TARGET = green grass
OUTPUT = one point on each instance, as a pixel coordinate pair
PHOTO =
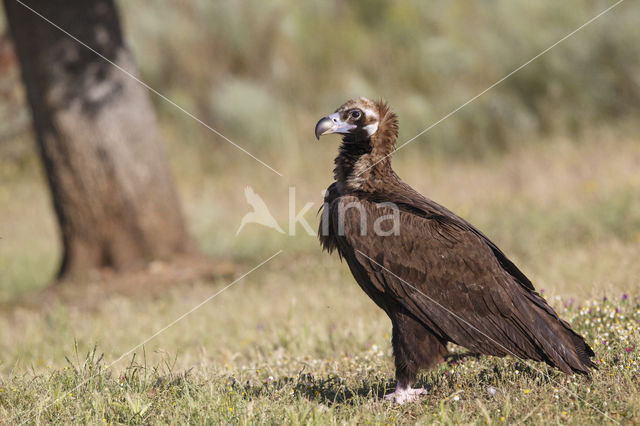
(239, 360)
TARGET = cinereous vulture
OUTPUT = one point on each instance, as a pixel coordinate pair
(438, 278)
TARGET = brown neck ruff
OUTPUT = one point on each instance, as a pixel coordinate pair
(364, 163)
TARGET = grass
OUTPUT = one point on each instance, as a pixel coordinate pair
(295, 361)
(297, 341)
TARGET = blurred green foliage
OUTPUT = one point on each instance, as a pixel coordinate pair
(263, 70)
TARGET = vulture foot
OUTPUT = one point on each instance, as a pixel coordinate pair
(404, 394)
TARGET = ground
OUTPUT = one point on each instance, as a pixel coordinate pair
(296, 341)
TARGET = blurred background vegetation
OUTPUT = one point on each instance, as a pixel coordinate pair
(263, 73)
(258, 67)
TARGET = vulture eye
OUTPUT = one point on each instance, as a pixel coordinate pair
(355, 114)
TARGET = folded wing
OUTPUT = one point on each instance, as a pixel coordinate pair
(455, 281)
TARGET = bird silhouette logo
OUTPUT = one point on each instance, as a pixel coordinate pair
(260, 214)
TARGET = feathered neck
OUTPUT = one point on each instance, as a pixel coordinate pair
(364, 163)
(384, 140)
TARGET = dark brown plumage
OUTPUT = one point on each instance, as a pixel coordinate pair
(437, 277)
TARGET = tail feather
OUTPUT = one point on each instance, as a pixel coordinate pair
(584, 353)
(560, 346)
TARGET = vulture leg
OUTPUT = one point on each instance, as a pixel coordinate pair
(414, 348)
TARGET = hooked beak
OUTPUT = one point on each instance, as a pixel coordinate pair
(332, 124)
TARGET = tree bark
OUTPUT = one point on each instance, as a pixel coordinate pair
(97, 134)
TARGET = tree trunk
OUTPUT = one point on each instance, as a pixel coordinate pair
(98, 138)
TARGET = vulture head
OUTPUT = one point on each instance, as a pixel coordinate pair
(359, 117)
(370, 131)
